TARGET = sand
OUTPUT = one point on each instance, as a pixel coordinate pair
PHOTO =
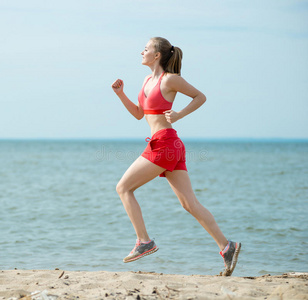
(59, 284)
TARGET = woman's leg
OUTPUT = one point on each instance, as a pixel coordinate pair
(139, 173)
(181, 185)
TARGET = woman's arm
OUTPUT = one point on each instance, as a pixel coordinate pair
(178, 84)
(134, 109)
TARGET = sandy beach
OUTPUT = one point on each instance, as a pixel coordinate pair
(59, 284)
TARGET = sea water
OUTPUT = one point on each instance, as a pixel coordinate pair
(60, 209)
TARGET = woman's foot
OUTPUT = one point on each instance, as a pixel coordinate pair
(140, 250)
(230, 255)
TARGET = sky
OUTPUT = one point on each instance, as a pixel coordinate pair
(59, 59)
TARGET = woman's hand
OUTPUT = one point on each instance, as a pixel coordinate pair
(172, 116)
(118, 86)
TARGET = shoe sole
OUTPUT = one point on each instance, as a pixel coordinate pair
(141, 255)
(234, 261)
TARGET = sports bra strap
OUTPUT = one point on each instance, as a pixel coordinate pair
(161, 76)
(147, 80)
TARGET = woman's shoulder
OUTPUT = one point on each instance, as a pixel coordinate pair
(172, 78)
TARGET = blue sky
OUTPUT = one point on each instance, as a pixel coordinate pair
(59, 58)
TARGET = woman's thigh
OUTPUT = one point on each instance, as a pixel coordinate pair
(180, 183)
(140, 172)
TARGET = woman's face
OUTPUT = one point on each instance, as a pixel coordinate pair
(149, 56)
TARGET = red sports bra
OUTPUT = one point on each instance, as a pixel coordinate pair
(154, 103)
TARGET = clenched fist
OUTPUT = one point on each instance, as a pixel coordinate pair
(118, 86)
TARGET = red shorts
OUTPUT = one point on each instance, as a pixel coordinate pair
(165, 149)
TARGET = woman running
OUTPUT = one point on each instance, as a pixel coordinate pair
(165, 152)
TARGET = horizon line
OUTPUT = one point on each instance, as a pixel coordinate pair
(299, 139)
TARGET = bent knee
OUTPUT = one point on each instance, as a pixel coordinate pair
(190, 205)
(122, 188)
(187, 207)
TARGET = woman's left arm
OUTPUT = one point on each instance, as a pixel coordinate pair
(178, 84)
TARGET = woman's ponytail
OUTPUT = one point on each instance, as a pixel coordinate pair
(171, 57)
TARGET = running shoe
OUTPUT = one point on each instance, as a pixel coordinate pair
(140, 250)
(230, 256)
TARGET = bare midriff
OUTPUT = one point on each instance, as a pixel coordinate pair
(157, 122)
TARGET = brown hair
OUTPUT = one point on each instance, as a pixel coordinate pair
(171, 57)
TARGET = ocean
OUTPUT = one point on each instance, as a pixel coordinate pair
(60, 209)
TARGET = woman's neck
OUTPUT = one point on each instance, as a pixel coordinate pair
(156, 71)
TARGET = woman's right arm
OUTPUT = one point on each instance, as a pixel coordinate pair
(134, 109)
